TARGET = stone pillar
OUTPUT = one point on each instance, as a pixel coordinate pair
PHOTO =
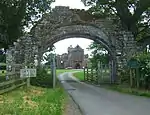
(9, 61)
(125, 49)
(130, 46)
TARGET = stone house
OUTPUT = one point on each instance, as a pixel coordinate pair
(75, 58)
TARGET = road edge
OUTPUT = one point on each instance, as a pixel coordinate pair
(69, 94)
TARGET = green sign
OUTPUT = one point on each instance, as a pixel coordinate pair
(133, 63)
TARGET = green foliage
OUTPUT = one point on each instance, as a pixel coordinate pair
(48, 58)
(134, 15)
(124, 75)
(128, 90)
(43, 79)
(143, 71)
(99, 53)
(17, 14)
(144, 59)
(2, 56)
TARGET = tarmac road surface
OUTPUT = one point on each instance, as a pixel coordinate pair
(94, 100)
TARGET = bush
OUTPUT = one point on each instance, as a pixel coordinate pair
(43, 79)
(124, 76)
(144, 71)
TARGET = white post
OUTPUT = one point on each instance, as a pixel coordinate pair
(54, 72)
(28, 79)
(28, 82)
(101, 71)
(99, 75)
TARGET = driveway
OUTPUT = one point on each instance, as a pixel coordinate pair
(94, 100)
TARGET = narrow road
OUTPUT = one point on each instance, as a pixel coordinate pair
(94, 100)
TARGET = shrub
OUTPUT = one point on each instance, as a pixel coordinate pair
(124, 76)
(144, 71)
(43, 79)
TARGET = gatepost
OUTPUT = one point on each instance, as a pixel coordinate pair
(99, 71)
(53, 70)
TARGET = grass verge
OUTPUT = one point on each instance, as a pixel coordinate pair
(59, 71)
(128, 90)
(33, 101)
(119, 88)
(79, 75)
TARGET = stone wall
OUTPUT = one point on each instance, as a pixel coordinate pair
(64, 23)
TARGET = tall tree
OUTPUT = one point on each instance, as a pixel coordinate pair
(133, 14)
(17, 14)
(99, 53)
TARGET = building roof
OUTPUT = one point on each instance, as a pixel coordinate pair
(78, 47)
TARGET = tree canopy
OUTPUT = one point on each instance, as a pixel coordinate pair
(17, 14)
(133, 14)
(99, 53)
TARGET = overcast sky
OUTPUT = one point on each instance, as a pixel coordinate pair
(61, 46)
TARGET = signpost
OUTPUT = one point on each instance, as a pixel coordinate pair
(134, 64)
(27, 73)
(54, 71)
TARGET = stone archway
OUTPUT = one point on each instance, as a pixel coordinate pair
(64, 23)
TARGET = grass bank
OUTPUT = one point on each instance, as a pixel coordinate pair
(128, 90)
(79, 75)
(119, 88)
(32, 101)
(59, 71)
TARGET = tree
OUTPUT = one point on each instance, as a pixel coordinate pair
(17, 14)
(133, 14)
(99, 53)
(49, 58)
(2, 56)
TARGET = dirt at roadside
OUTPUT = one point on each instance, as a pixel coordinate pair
(71, 108)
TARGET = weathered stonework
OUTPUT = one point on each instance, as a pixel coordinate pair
(64, 23)
(20, 55)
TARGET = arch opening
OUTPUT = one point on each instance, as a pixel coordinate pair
(76, 29)
(96, 39)
(77, 65)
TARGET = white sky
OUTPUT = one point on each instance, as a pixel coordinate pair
(71, 3)
(61, 46)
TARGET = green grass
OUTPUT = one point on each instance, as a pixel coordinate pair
(119, 88)
(33, 101)
(59, 71)
(79, 75)
(128, 90)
